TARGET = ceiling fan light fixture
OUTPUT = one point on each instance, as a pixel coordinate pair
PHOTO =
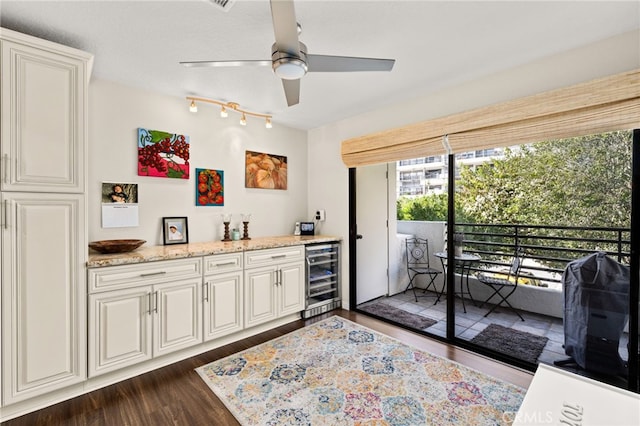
(290, 68)
(223, 112)
(243, 120)
(289, 58)
(193, 107)
(268, 124)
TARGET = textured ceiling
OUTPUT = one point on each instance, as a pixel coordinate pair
(436, 44)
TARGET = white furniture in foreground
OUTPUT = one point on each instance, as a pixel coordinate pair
(557, 397)
(43, 141)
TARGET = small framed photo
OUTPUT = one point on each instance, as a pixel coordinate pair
(175, 230)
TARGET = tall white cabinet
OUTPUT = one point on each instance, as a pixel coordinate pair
(43, 117)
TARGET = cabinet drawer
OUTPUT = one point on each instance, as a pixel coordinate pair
(219, 263)
(275, 256)
(125, 276)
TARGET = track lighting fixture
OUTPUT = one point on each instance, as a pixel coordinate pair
(225, 107)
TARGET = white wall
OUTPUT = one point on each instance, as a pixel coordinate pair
(328, 176)
(116, 112)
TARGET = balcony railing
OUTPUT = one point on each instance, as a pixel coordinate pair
(550, 247)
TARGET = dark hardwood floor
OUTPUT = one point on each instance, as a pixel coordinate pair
(175, 395)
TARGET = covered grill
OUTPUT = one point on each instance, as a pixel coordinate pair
(596, 309)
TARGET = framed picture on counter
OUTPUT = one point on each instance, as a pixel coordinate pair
(175, 230)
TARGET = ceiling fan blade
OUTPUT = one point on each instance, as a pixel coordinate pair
(253, 63)
(326, 63)
(291, 91)
(285, 26)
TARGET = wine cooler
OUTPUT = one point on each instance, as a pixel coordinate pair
(323, 279)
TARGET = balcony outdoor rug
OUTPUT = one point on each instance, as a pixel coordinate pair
(520, 344)
(400, 316)
(336, 372)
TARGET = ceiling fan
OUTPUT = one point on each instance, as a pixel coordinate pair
(290, 60)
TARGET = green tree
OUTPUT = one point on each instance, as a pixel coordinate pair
(582, 181)
(430, 207)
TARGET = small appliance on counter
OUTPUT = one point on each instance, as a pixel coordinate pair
(307, 228)
(304, 228)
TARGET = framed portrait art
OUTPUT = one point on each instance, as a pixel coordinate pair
(175, 230)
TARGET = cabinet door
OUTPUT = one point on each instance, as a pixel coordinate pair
(222, 305)
(43, 120)
(291, 288)
(260, 298)
(177, 320)
(119, 329)
(43, 293)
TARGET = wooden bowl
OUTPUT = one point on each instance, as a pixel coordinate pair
(115, 246)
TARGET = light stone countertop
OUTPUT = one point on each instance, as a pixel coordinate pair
(180, 251)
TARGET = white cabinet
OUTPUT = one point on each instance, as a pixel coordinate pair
(43, 119)
(223, 294)
(291, 285)
(43, 293)
(274, 284)
(138, 312)
(177, 318)
(119, 329)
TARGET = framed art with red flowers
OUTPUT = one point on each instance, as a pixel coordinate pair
(209, 187)
(163, 154)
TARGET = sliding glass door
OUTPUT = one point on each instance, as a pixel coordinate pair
(504, 295)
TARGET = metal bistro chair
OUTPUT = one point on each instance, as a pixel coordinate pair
(418, 264)
(503, 284)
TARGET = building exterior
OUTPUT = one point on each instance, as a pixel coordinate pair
(425, 175)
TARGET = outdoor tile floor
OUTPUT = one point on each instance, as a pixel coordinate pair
(469, 324)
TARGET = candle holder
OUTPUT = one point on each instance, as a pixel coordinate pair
(226, 220)
(245, 223)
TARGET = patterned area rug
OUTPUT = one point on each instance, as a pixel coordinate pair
(400, 316)
(336, 372)
(520, 344)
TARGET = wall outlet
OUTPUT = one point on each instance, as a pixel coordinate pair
(320, 215)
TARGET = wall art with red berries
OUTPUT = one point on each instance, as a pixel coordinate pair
(163, 154)
(209, 187)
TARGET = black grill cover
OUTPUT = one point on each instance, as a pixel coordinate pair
(596, 309)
